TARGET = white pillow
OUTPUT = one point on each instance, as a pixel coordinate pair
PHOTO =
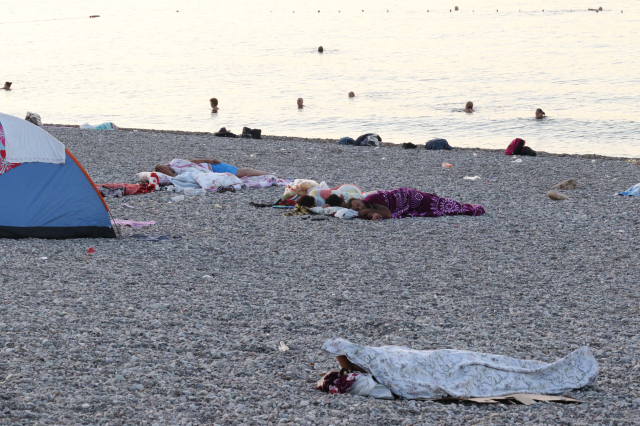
(162, 178)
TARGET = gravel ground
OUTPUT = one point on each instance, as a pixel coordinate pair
(186, 331)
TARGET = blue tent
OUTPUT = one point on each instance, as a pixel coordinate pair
(44, 191)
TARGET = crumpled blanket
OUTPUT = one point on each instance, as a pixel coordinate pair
(264, 181)
(415, 374)
(121, 189)
(209, 181)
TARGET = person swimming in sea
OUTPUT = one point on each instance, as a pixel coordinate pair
(214, 104)
(468, 107)
(300, 103)
(7, 85)
(540, 114)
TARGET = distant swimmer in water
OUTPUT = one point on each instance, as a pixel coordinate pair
(468, 107)
(300, 105)
(540, 114)
(7, 85)
(352, 95)
(597, 10)
(320, 49)
(214, 105)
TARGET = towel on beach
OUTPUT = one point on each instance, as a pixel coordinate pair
(103, 126)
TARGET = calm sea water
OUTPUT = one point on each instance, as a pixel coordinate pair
(411, 64)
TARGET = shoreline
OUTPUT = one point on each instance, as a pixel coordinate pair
(335, 142)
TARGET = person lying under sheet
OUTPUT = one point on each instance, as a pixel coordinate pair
(177, 166)
(417, 374)
(408, 202)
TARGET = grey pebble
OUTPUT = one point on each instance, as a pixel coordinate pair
(135, 335)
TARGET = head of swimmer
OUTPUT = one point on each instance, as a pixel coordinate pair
(300, 105)
(540, 114)
(468, 107)
(163, 168)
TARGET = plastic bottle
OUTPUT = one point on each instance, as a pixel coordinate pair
(200, 191)
(177, 198)
(171, 188)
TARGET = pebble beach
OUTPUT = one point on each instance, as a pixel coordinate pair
(186, 331)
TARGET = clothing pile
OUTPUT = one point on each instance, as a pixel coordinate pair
(368, 139)
(516, 147)
(247, 133)
(438, 144)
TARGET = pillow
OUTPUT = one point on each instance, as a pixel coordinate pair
(302, 186)
(163, 179)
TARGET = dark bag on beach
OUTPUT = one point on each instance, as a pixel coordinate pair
(515, 147)
(224, 133)
(437, 144)
(255, 133)
(364, 140)
(251, 133)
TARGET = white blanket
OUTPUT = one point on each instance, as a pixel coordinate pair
(418, 374)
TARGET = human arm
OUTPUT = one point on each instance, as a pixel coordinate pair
(204, 160)
(375, 214)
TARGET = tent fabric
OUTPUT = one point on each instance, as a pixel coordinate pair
(43, 200)
(27, 143)
(5, 166)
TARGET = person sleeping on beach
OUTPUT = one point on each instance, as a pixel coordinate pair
(177, 167)
(337, 195)
(388, 371)
(333, 200)
(408, 202)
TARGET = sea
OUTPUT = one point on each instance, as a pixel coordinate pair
(412, 65)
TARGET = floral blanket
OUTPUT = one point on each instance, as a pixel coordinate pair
(416, 374)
